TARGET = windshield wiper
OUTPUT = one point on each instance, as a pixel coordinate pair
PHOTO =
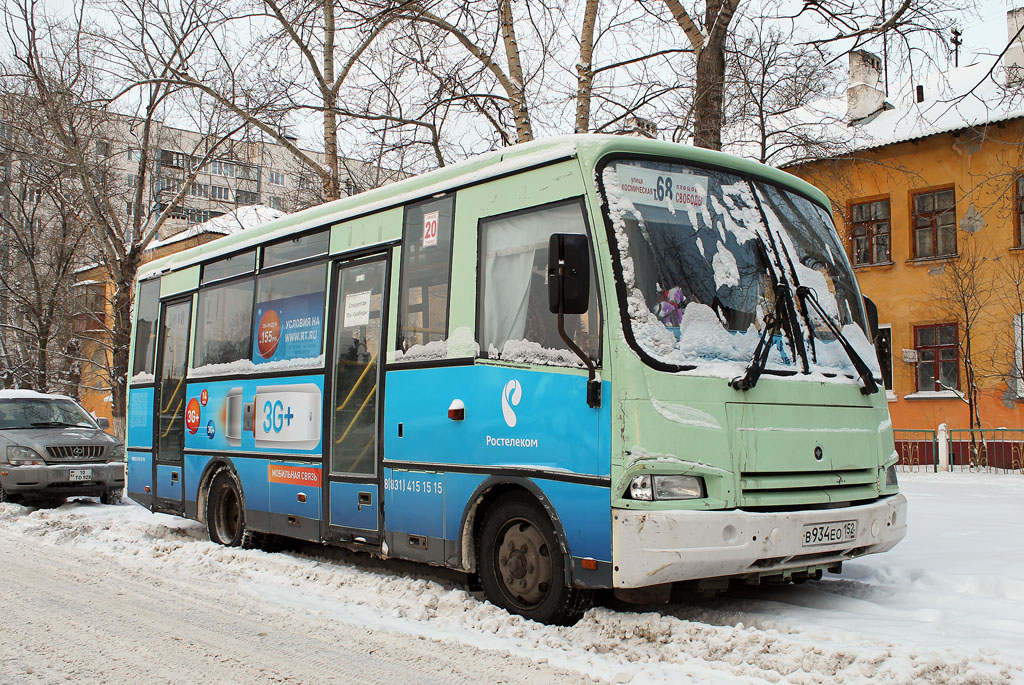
(870, 386)
(771, 324)
(56, 424)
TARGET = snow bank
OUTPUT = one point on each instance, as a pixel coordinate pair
(946, 606)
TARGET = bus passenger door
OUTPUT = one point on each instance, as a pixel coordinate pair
(172, 363)
(351, 448)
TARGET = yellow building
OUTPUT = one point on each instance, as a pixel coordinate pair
(929, 199)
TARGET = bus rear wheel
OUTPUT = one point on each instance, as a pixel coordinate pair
(522, 566)
(225, 513)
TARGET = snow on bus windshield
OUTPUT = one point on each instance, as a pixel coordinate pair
(694, 252)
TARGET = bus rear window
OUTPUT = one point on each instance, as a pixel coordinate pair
(145, 329)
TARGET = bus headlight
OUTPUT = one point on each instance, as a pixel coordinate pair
(890, 477)
(666, 487)
(20, 456)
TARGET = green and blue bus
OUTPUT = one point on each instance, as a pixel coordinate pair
(580, 363)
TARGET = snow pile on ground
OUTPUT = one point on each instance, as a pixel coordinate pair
(946, 606)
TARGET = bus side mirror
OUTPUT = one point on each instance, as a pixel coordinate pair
(872, 311)
(568, 273)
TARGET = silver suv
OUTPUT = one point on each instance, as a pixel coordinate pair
(51, 448)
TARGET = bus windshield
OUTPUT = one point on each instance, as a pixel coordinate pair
(700, 252)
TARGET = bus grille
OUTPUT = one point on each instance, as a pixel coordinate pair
(788, 488)
(75, 452)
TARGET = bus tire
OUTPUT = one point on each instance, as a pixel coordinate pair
(522, 566)
(225, 512)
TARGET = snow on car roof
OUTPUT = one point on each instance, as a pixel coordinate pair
(19, 394)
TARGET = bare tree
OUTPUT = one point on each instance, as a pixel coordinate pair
(40, 241)
(64, 69)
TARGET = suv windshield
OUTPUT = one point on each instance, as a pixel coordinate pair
(42, 413)
(700, 251)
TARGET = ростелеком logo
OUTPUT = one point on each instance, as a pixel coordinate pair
(510, 396)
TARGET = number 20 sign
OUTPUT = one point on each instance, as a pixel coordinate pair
(430, 229)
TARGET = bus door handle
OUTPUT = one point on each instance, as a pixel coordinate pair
(174, 476)
(365, 499)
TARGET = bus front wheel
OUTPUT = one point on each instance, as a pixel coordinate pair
(522, 566)
(225, 512)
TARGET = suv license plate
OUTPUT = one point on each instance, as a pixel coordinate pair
(80, 474)
(829, 533)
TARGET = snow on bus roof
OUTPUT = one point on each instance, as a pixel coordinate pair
(472, 170)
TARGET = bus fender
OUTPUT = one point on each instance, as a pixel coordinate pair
(488, 492)
(209, 473)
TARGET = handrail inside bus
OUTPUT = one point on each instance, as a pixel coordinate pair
(359, 380)
(170, 424)
(173, 395)
(373, 391)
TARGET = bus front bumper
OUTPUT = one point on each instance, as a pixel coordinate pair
(656, 547)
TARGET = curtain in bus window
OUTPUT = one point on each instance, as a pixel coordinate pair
(516, 321)
(289, 315)
(222, 323)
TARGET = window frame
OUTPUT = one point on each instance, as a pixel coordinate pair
(283, 268)
(579, 200)
(452, 197)
(937, 361)
(891, 388)
(932, 217)
(210, 285)
(871, 231)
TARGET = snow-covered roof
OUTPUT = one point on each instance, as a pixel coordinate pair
(964, 97)
(233, 222)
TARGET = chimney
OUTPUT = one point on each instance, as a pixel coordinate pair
(864, 96)
(1013, 58)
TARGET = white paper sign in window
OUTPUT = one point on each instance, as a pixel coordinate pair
(430, 229)
(662, 188)
(357, 309)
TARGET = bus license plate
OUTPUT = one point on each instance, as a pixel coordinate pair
(829, 533)
(80, 474)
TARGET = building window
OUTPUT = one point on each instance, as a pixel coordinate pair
(275, 177)
(90, 308)
(1019, 207)
(102, 148)
(883, 350)
(175, 160)
(934, 224)
(222, 168)
(276, 202)
(871, 233)
(937, 366)
(247, 172)
(220, 193)
(246, 197)
(200, 189)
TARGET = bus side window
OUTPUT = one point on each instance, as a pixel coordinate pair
(223, 323)
(426, 271)
(145, 328)
(515, 322)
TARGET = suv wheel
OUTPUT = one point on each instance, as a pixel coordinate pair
(112, 496)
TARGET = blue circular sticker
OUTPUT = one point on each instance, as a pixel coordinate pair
(210, 430)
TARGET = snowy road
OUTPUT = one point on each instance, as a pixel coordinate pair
(112, 594)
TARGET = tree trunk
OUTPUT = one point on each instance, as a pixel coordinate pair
(121, 331)
(524, 130)
(707, 106)
(331, 189)
(585, 68)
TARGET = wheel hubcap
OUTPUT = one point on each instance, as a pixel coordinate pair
(524, 563)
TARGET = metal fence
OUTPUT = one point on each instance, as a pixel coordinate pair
(989, 449)
(918, 450)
